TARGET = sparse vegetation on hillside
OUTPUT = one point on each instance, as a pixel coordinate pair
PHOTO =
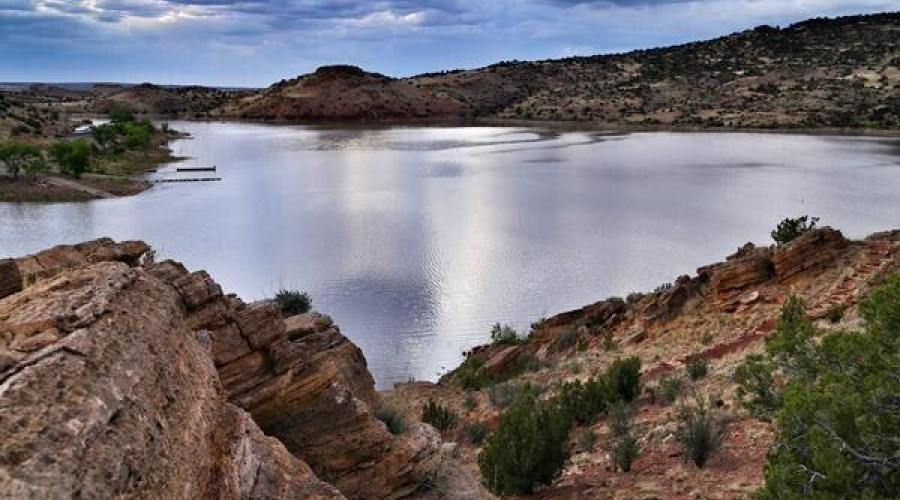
(702, 428)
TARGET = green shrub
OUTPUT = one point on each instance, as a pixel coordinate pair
(793, 345)
(697, 368)
(471, 375)
(583, 402)
(293, 302)
(624, 448)
(701, 429)
(504, 335)
(756, 387)
(527, 448)
(670, 388)
(625, 377)
(838, 427)
(477, 432)
(392, 418)
(503, 394)
(791, 228)
(438, 416)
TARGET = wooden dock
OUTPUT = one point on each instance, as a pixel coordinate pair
(199, 179)
(196, 169)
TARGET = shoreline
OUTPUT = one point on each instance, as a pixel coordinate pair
(57, 188)
(567, 126)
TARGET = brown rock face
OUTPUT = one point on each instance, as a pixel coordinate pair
(307, 385)
(10, 278)
(748, 267)
(811, 252)
(53, 261)
(105, 392)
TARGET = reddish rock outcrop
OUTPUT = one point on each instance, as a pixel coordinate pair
(747, 267)
(106, 393)
(811, 252)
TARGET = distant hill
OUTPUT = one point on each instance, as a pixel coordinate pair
(842, 72)
(346, 93)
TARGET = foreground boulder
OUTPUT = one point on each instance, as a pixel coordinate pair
(125, 379)
(106, 393)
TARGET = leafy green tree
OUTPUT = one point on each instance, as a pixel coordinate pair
(17, 155)
(839, 427)
(73, 157)
(792, 228)
(105, 136)
(528, 447)
(138, 135)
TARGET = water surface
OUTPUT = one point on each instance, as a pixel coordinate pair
(416, 240)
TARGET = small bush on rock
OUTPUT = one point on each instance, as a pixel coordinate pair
(293, 302)
(392, 418)
(504, 335)
(438, 416)
(792, 228)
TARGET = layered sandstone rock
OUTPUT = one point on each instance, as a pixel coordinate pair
(53, 261)
(731, 279)
(309, 386)
(106, 393)
(811, 252)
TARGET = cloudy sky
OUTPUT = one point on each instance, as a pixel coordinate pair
(257, 42)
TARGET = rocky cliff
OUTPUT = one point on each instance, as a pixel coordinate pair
(125, 378)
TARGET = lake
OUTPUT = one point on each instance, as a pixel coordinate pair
(416, 240)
